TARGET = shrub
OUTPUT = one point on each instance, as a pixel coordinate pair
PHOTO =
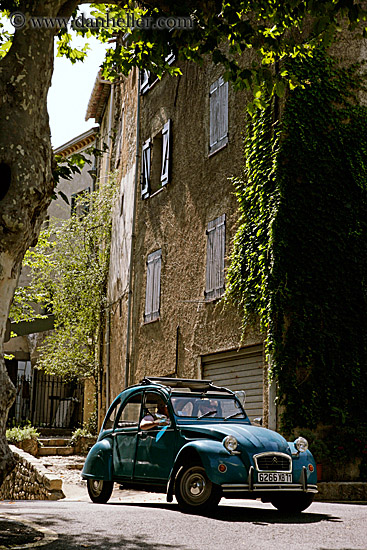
(17, 434)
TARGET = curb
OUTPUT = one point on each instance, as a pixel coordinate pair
(342, 491)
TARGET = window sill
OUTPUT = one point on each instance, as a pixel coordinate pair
(211, 300)
(150, 322)
(212, 153)
(157, 192)
(148, 88)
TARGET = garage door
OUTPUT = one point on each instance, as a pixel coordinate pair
(239, 370)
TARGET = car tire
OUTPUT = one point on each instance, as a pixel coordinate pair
(194, 491)
(99, 491)
(293, 504)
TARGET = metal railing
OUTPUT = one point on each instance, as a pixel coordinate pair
(47, 401)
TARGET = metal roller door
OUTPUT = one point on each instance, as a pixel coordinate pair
(239, 370)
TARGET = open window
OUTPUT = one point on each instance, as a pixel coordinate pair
(156, 162)
(147, 79)
(155, 406)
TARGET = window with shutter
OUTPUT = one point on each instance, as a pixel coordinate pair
(147, 79)
(170, 58)
(218, 115)
(215, 253)
(144, 81)
(158, 155)
(166, 149)
(153, 288)
(145, 169)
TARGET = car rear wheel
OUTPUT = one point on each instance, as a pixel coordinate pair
(194, 491)
(293, 504)
(99, 491)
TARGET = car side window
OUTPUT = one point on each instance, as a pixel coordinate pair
(130, 413)
(155, 407)
(110, 419)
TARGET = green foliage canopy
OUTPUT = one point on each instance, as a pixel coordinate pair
(222, 31)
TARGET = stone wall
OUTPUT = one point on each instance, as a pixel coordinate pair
(30, 480)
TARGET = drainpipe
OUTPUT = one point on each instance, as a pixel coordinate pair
(108, 319)
(136, 182)
(108, 330)
(109, 139)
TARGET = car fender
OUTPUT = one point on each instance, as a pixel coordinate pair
(300, 461)
(98, 464)
(211, 454)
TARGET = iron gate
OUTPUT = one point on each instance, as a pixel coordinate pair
(47, 401)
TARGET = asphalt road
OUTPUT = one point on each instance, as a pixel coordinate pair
(152, 524)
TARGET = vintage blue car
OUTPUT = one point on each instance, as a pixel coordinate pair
(194, 440)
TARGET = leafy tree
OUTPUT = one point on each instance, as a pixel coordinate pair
(68, 270)
(273, 29)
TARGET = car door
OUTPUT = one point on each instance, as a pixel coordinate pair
(125, 436)
(156, 447)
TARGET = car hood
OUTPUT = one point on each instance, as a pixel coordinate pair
(252, 438)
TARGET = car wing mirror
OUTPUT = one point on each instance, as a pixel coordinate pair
(241, 396)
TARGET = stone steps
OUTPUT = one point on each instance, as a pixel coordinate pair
(55, 446)
(54, 441)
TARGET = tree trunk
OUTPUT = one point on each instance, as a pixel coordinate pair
(26, 182)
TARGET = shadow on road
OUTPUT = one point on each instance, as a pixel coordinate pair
(111, 543)
(237, 514)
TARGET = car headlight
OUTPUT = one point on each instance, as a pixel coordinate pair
(230, 443)
(301, 444)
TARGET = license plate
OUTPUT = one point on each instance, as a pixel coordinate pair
(274, 477)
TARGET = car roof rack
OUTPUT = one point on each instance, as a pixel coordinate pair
(192, 384)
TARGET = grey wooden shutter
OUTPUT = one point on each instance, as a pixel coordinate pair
(215, 253)
(144, 81)
(145, 169)
(170, 58)
(218, 115)
(153, 289)
(166, 152)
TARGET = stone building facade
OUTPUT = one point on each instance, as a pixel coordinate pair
(170, 245)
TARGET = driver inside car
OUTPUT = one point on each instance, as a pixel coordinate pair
(155, 420)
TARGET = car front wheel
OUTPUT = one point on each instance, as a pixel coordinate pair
(194, 491)
(99, 491)
(292, 504)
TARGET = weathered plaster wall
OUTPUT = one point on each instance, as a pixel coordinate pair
(123, 160)
(176, 219)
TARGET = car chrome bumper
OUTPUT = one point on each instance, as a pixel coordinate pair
(265, 487)
(253, 486)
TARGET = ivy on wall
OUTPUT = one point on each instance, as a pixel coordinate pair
(299, 260)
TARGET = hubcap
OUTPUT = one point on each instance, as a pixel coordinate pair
(195, 487)
(97, 486)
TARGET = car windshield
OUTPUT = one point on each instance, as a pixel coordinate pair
(206, 406)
